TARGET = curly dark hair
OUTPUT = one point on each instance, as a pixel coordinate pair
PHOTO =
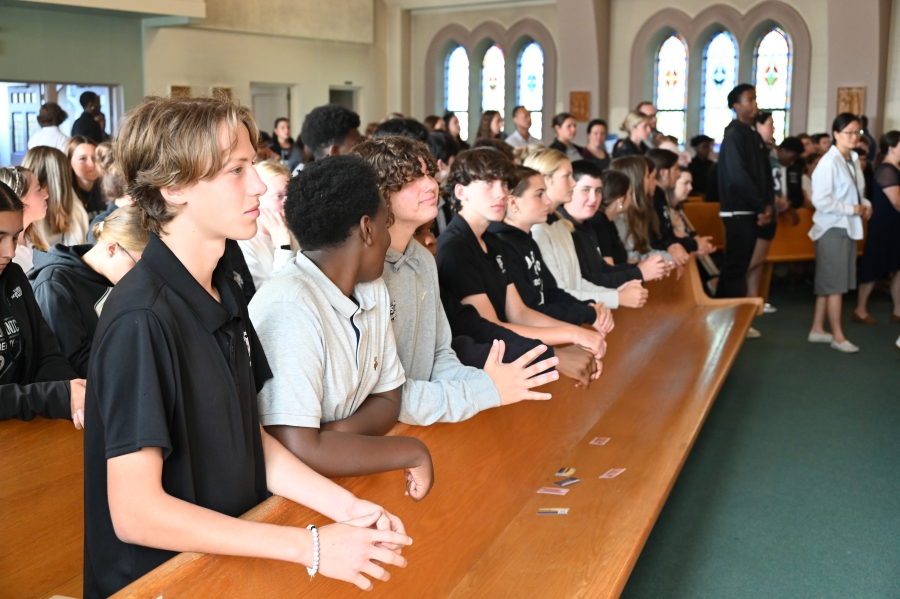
(326, 126)
(326, 200)
(396, 162)
(410, 128)
(478, 164)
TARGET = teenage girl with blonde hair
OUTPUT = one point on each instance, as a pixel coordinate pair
(67, 220)
(34, 198)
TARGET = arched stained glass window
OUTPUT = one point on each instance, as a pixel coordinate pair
(530, 85)
(671, 87)
(719, 78)
(772, 73)
(493, 75)
(456, 88)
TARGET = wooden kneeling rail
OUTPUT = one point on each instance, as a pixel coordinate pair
(478, 533)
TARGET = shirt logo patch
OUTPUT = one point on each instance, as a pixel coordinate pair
(393, 310)
(500, 263)
(17, 293)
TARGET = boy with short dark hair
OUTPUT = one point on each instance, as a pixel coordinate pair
(174, 452)
(330, 130)
(325, 323)
(701, 162)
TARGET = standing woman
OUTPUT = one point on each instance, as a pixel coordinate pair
(595, 151)
(71, 284)
(35, 379)
(838, 188)
(491, 126)
(882, 254)
(565, 127)
(34, 199)
(637, 126)
(454, 130)
(766, 233)
(67, 220)
(81, 152)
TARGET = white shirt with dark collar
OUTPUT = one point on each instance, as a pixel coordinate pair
(327, 352)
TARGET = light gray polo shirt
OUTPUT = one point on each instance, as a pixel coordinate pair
(327, 353)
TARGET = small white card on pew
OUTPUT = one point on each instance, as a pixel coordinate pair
(552, 511)
(612, 473)
(552, 491)
(599, 441)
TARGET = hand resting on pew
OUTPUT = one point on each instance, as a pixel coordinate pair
(77, 387)
(516, 380)
(144, 514)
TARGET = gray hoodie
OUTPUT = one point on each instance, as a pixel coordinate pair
(438, 387)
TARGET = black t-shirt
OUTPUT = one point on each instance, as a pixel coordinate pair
(535, 283)
(794, 183)
(593, 267)
(699, 168)
(171, 368)
(465, 269)
(10, 346)
(611, 245)
(93, 200)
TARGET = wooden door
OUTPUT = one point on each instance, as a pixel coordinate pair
(24, 104)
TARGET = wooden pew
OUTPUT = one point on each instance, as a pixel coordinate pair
(791, 242)
(477, 534)
(42, 502)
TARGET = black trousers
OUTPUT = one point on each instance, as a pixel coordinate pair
(740, 241)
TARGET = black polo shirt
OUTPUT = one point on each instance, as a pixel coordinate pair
(534, 282)
(794, 184)
(172, 368)
(465, 269)
(593, 267)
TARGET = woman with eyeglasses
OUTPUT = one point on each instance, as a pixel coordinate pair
(841, 206)
(71, 284)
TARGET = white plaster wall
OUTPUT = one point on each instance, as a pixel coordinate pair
(629, 15)
(425, 25)
(892, 85)
(203, 59)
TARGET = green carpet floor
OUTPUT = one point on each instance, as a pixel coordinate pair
(793, 486)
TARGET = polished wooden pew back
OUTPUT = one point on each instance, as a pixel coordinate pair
(477, 534)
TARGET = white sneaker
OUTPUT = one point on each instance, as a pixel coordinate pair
(769, 308)
(844, 346)
(752, 334)
(820, 338)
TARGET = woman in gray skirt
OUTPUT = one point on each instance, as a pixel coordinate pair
(838, 195)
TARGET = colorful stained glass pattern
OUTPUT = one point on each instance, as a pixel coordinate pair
(719, 78)
(772, 70)
(530, 84)
(671, 86)
(493, 75)
(456, 88)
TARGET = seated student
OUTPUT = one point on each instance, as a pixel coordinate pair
(410, 128)
(35, 379)
(638, 131)
(272, 246)
(34, 200)
(558, 246)
(71, 283)
(528, 206)
(329, 130)
(174, 452)
(444, 151)
(614, 202)
(81, 152)
(115, 190)
(667, 173)
(325, 324)
(289, 153)
(639, 227)
(584, 205)
(438, 387)
(66, 220)
(470, 259)
(701, 162)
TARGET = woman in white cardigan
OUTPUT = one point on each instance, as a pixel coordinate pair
(838, 196)
(555, 236)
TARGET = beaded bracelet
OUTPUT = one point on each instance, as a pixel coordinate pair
(315, 534)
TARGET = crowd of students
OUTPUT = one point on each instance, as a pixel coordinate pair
(225, 329)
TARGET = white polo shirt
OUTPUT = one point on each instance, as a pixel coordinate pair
(327, 353)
